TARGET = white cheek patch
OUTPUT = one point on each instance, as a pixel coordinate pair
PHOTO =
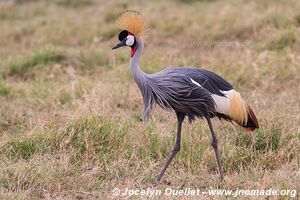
(130, 40)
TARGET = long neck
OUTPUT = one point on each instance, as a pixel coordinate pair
(136, 72)
(141, 80)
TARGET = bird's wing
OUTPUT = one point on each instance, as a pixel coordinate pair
(199, 93)
(209, 80)
(174, 90)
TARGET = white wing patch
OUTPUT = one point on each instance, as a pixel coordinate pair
(222, 102)
(196, 83)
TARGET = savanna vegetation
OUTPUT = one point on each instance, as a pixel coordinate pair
(71, 115)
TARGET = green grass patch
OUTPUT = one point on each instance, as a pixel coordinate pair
(110, 33)
(111, 16)
(297, 19)
(12, 126)
(23, 147)
(40, 63)
(4, 90)
(284, 41)
(8, 14)
(266, 141)
(74, 3)
(249, 150)
(237, 158)
(65, 97)
(92, 60)
(26, 146)
(92, 136)
(44, 56)
(278, 21)
(194, 1)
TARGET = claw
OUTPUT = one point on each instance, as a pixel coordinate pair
(156, 181)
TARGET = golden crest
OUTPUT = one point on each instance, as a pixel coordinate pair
(133, 22)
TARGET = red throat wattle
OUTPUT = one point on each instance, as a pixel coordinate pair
(133, 50)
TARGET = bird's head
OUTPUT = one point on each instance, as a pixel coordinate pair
(126, 38)
(133, 27)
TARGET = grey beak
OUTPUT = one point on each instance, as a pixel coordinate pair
(120, 44)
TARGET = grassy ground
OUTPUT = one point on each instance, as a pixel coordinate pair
(70, 112)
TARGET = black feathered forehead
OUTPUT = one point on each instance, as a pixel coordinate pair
(123, 34)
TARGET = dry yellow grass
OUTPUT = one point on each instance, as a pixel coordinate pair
(70, 120)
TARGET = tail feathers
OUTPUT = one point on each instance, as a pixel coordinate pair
(251, 123)
(241, 113)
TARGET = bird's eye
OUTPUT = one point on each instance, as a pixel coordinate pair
(130, 40)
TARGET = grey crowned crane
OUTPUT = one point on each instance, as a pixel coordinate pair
(190, 92)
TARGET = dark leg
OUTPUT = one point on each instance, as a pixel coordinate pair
(215, 146)
(176, 149)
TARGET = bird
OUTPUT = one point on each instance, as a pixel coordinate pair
(188, 91)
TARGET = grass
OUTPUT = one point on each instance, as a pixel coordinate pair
(71, 115)
(41, 57)
(4, 90)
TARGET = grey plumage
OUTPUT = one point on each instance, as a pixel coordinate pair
(173, 89)
(189, 92)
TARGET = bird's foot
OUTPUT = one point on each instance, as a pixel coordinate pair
(222, 182)
(222, 178)
(156, 181)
